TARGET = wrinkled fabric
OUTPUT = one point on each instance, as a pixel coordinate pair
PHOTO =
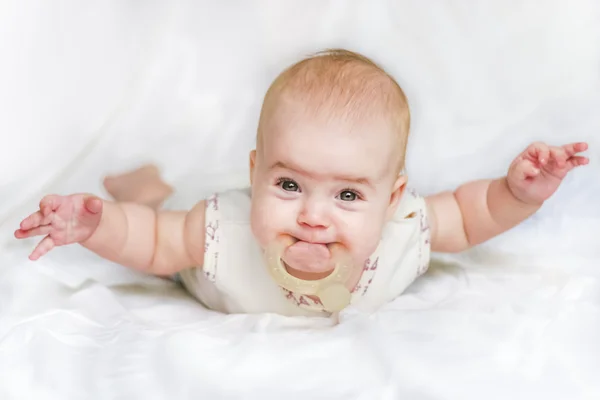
(96, 88)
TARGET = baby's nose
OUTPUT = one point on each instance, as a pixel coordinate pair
(313, 215)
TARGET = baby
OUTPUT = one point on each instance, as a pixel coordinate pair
(328, 220)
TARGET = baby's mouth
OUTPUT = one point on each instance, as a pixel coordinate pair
(329, 287)
(313, 258)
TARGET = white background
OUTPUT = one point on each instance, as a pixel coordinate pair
(90, 88)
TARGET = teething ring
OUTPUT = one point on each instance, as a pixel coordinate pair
(331, 290)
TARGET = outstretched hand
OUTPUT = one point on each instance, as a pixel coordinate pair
(537, 173)
(62, 220)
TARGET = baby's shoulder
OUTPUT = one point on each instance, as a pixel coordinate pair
(411, 205)
(409, 222)
(231, 205)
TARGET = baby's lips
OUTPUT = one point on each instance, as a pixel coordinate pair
(317, 249)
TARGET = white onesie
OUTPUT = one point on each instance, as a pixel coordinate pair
(234, 278)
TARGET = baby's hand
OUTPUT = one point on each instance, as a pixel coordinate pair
(63, 219)
(537, 172)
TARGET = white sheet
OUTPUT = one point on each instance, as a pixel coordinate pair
(94, 88)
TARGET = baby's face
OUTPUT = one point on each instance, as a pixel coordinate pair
(324, 182)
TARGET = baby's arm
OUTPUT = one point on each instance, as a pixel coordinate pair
(474, 213)
(480, 210)
(155, 242)
(160, 243)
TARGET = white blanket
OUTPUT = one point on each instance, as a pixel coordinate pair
(94, 88)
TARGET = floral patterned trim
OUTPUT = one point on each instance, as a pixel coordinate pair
(212, 238)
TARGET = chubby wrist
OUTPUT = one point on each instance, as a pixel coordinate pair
(504, 205)
(505, 183)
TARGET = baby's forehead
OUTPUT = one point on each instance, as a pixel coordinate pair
(331, 148)
(292, 124)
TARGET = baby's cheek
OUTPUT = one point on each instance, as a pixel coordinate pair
(258, 223)
(265, 221)
(260, 227)
(363, 238)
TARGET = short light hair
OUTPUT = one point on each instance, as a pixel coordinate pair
(345, 84)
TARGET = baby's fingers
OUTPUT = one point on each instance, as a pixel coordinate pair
(559, 156)
(525, 169)
(539, 151)
(93, 205)
(574, 148)
(43, 216)
(31, 221)
(578, 161)
(50, 203)
(34, 220)
(42, 248)
(40, 230)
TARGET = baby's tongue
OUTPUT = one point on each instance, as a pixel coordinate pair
(308, 257)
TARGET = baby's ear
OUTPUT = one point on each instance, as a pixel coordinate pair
(397, 192)
(252, 164)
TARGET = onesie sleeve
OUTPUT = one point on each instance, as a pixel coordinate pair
(222, 210)
(424, 232)
(407, 243)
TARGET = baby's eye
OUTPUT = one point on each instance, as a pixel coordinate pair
(348, 195)
(288, 185)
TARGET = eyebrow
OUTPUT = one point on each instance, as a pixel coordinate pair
(359, 180)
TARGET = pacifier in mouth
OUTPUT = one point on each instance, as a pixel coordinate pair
(331, 290)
